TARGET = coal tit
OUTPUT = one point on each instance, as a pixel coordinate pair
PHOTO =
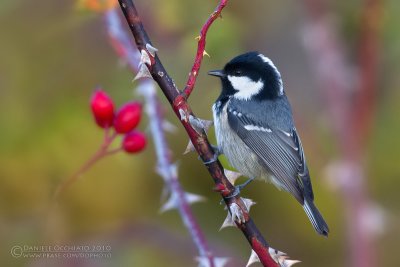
(255, 130)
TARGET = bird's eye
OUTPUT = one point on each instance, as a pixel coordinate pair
(238, 72)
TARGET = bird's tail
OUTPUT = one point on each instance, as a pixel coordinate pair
(315, 217)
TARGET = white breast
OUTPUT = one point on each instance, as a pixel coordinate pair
(237, 152)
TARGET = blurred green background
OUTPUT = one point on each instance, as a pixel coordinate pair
(52, 56)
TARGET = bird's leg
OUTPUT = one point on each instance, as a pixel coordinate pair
(239, 188)
(217, 152)
(214, 159)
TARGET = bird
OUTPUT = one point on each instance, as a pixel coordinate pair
(255, 130)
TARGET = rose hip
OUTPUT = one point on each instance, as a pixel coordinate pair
(102, 108)
(128, 117)
(134, 142)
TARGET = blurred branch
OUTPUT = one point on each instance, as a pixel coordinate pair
(102, 152)
(350, 99)
(168, 171)
(165, 167)
(196, 134)
(368, 44)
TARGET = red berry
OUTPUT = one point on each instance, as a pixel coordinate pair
(102, 108)
(134, 142)
(128, 117)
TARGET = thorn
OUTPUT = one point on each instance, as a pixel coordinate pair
(169, 127)
(196, 124)
(217, 262)
(170, 204)
(232, 176)
(170, 172)
(182, 115)
(220, 262)
(275, 254)
(207, 124)
(236, 213)
(253, 258)
(228, 222)
(281, 258)
(200, 125)
(152, 50)
(162, 172)
(143, 72)
(189, 148)
(289, 263)
(248, 203)
(206, 54)
(198, 38)
(164, 194)
(193, 198)
(144, 58)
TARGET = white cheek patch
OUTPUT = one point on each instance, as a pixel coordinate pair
(270, 63)
(245, 86)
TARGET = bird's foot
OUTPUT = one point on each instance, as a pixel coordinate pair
(212, 160)
(239, 188)
(217, 152)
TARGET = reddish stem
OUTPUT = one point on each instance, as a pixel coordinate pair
(201, 48)
(101, 153)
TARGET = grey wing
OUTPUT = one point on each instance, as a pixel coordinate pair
(279, 151)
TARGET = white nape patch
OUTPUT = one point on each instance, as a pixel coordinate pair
(257, 128)
(245, 86)
(269, 62)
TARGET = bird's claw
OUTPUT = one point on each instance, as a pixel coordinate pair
(239, 188)
(217, 150)
(217, 153)
(214, 159)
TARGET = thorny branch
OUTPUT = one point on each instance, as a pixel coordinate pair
(165, 167)
(201, 52)
(268, 257)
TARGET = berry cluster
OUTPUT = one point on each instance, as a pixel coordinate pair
(123, 122)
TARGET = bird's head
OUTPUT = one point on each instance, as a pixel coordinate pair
(250, 76)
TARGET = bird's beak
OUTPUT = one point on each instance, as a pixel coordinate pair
(218, 73)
